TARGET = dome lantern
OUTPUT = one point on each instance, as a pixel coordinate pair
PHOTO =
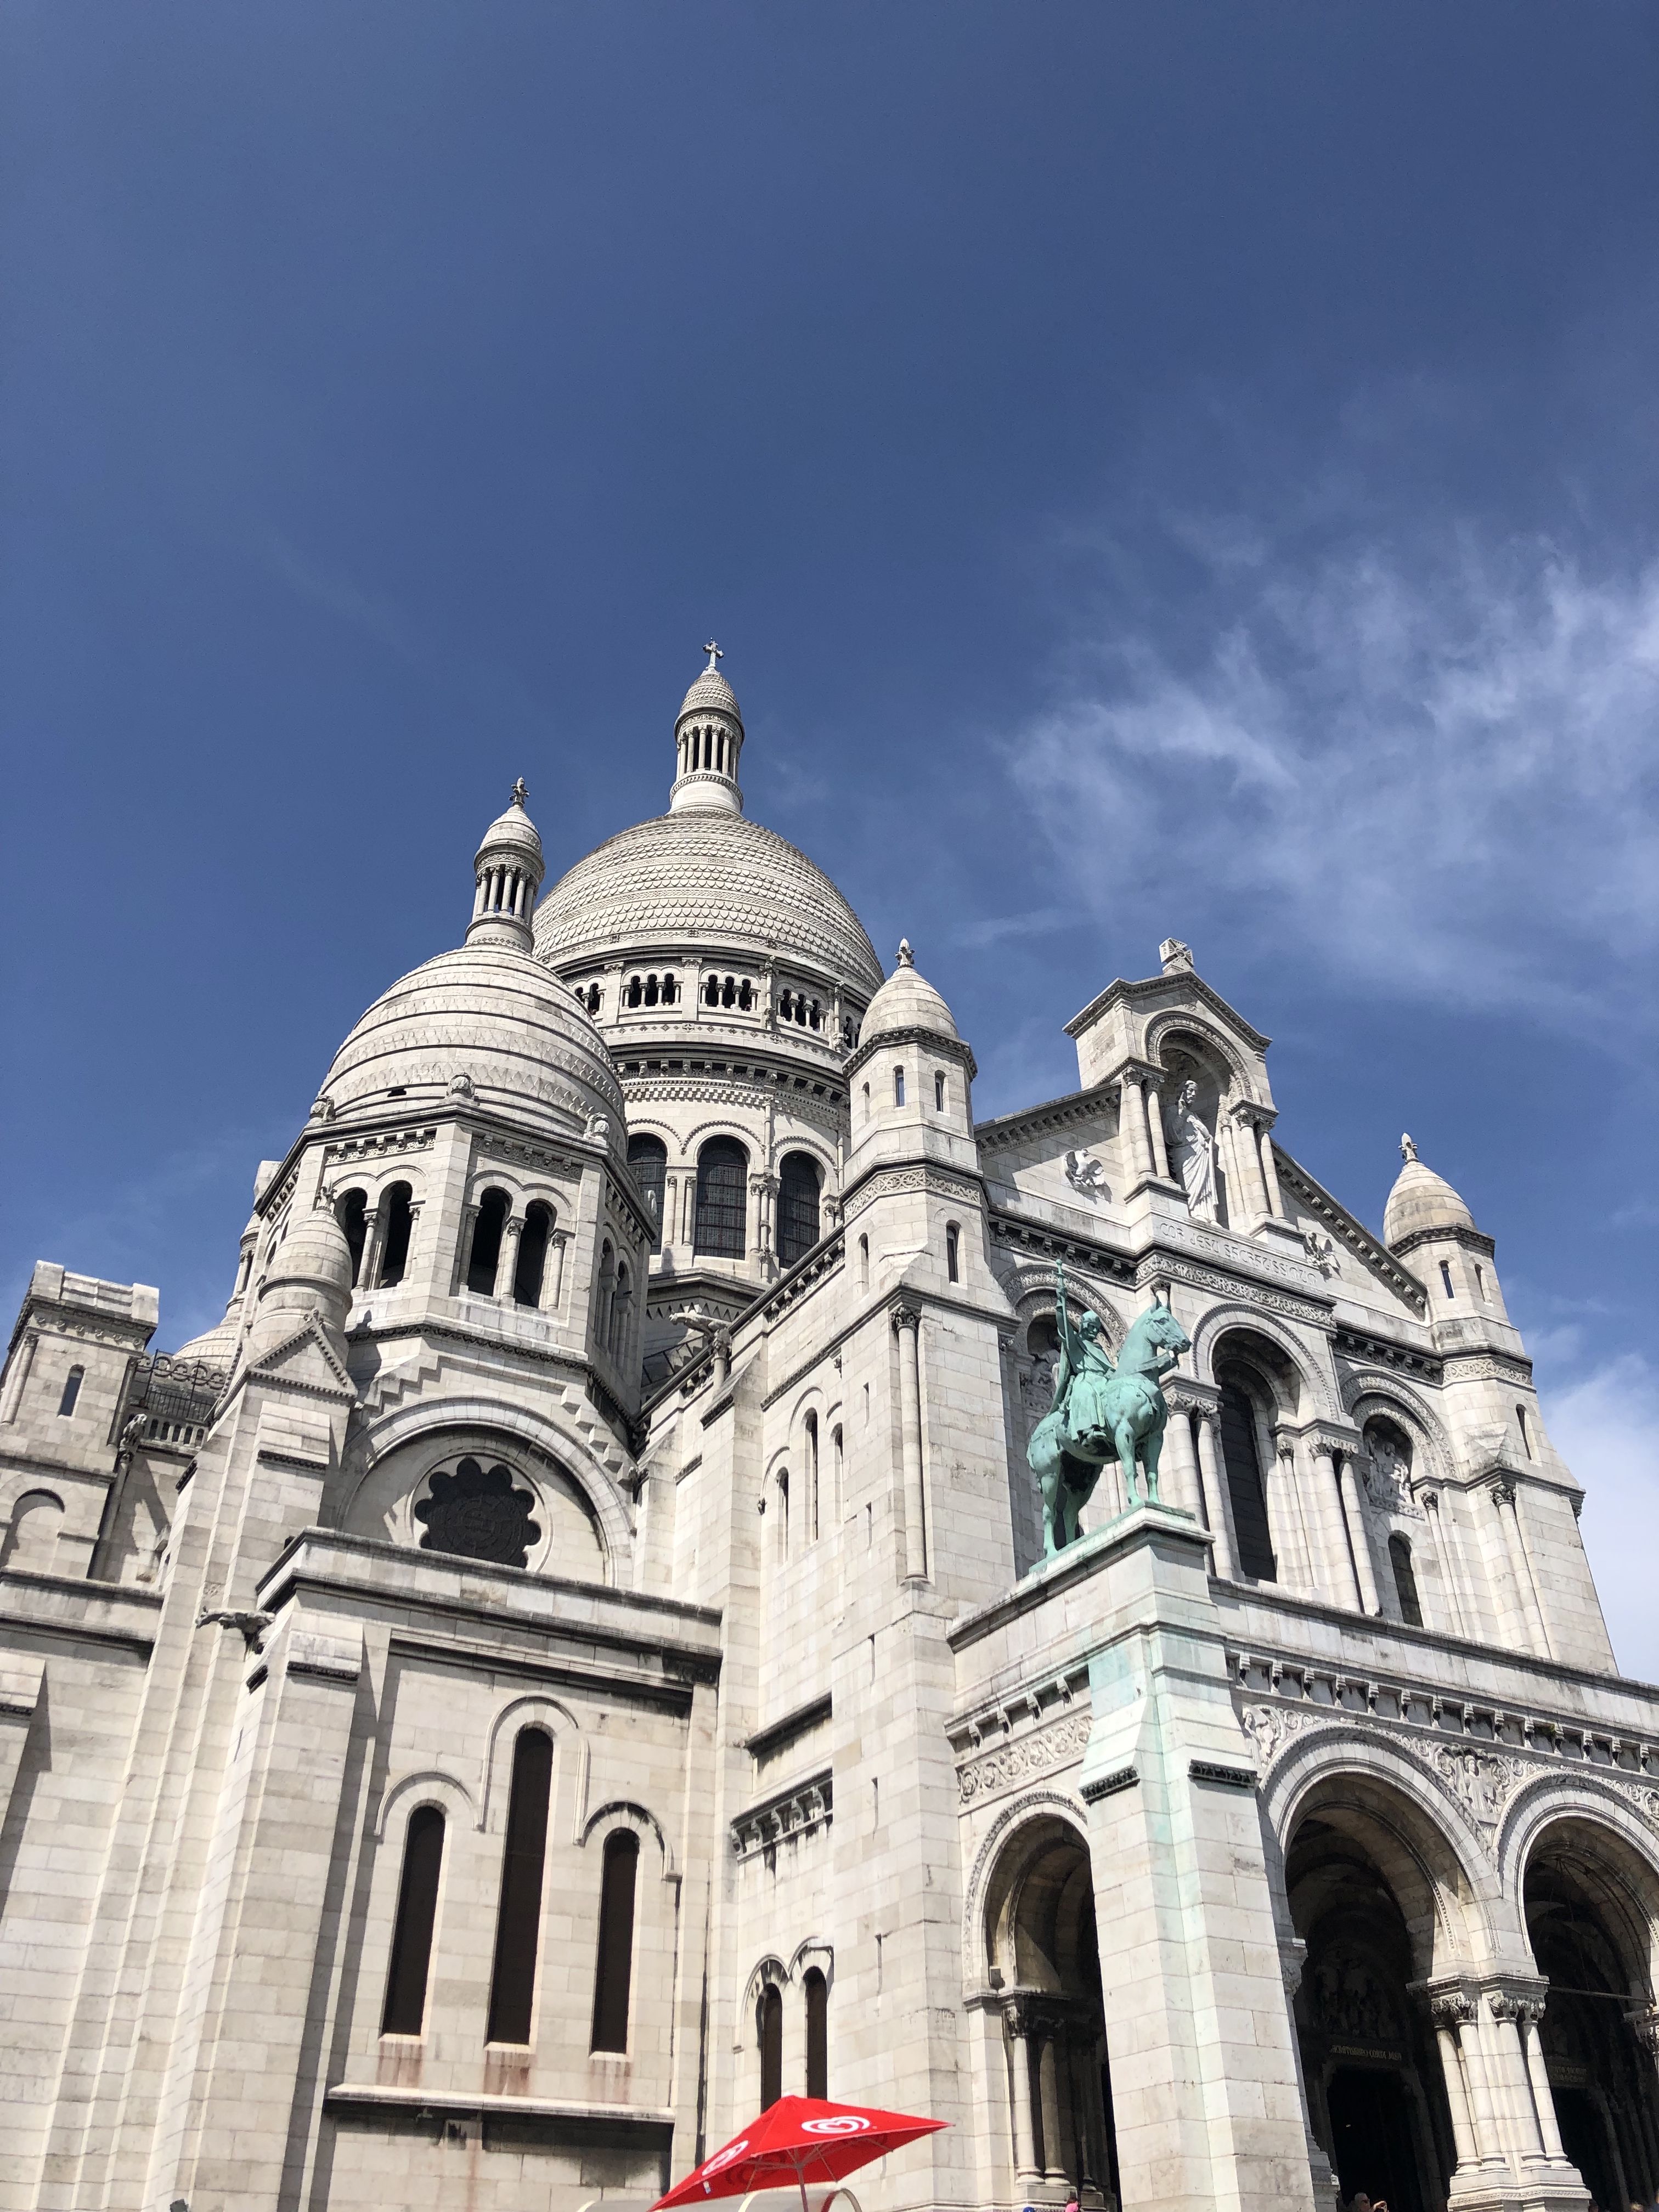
(507, 870)
(707, 744)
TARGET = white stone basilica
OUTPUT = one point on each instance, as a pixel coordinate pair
(571, 1655)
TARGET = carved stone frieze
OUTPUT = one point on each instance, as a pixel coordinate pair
(1489, 1367)
(1044, 1749)
(380, 1144)
(716, 1091)
(890, 1183)
(1239, 1288)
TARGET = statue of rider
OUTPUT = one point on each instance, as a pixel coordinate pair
(1080, 1379)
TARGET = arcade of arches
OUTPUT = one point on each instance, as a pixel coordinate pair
(1419, 2072)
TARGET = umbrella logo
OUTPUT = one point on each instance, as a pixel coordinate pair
(722, 2158)
(838, 2124)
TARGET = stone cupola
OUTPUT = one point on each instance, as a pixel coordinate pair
(707, 745)
(508, 870)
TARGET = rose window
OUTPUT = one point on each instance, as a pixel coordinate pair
(479, 1513)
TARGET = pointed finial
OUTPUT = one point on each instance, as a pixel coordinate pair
(1407, 1148)
(520, 792)
(907, 958)
(714, 654)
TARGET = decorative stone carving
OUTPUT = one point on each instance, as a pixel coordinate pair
(1482, 1781)
(1347, 2000)
(1192, 1153)
(1321, 1253)
(1387, 1474)
(1040, 1753)
(479, 1513)
(1086, 1175)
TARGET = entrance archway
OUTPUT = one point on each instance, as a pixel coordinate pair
(1376, 2099)
(1043, 1954)
(1589, 1907)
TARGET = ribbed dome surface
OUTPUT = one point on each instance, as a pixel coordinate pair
(710, 694)
(907, 1001)
(703, 877)
(1422, 1199)
(492, 1015)
(515, 829)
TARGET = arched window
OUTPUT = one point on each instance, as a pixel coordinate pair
(1480, 1279)
(620, 1309)
(783, 1512)
(635, 992)
(938, 1090)
(605, 1291)
(519, 1918)
(729, 992)
(595, 998)
(71, 1392)
(953, 1252)
(864, 1263)
(648, 1158)
(531, 1265)
(614, 1977)
(722, 1198)
(395, 1205)
(1446, 1277)
(32, 1539)
(348, 1211)
(711, 992)
(817, 1993)
(487, 1243)
(1405, 1581)
(1243, 1460)
(746, 996)
(811, 1498)
(899, 1086)
(769, 2027)
(650, 990)
(1526, 1433)
(411, 1934)
(798, 1207)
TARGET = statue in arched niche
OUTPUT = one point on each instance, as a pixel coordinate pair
(1388, 1468)
(1192, 1153)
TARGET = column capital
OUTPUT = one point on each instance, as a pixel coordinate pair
(1502, 1493)
(1644, 2026)
(904, 1316)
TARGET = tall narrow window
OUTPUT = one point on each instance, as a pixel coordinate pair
(531, 1264)
(722, 1210)
(71, 1391)
(487, 1243)
(605, 1292)
(938, 1090)
(864, 1263)
(953, 1253)
(811, 1500)
(899, 1086)
(818, 2034)
(798, 1207)
(837, 1449)
(1446, 1277)
(1526, 1433)
(1405, 1581)
(771, 2026)
(518, 1921)
(648, 1158)
(1242, 1461)
(620, 1307)
(400, 1227)
(348, 1211)
(411, 1934)
(614, 1978)
(783, 1512)
(1480, 1279)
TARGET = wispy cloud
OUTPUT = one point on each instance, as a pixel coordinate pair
(1604, 1426)
(1435, 771)
(378, 618)
(999, 929)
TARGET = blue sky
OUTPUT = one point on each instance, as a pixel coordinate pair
(1157, 469)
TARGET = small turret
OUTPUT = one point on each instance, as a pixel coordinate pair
(707, 744)
(508, 870)
(1428, 1225)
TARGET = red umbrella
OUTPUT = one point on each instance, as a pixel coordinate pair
(793, 2137)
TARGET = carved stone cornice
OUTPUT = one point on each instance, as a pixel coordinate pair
(945, 1047)
(899, 1182)
(788, 1816)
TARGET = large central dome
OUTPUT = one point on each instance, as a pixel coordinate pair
(704, 876)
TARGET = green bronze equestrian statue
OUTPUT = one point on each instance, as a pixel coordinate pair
(1102, 1412)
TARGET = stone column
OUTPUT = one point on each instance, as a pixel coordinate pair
(1155, 1130)
(372, 1242)
(1179, 1464)
(671, 1208)
(1529, 2011)
(464, 1250)
(1448, 2011)
(1132, 1124)
(1511, 2081)
(1027, 2170)
(1292, 1957)
(553, 1270)
(1526, 1596)
(1048, 2086)
(1215, 1490)
(1451, 1597)
(1270, 1170)
(507, 1258)
(907, 1326)
(17, 1380)
(1296, 1519)
(1354, 1520)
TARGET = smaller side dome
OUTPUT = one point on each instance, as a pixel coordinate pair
(907, 1000)
(310, 1273)
(507, 870)
(1421, 1202)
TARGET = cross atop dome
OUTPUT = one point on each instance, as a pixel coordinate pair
(715, 653)
(708, 742)
(520, 792)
